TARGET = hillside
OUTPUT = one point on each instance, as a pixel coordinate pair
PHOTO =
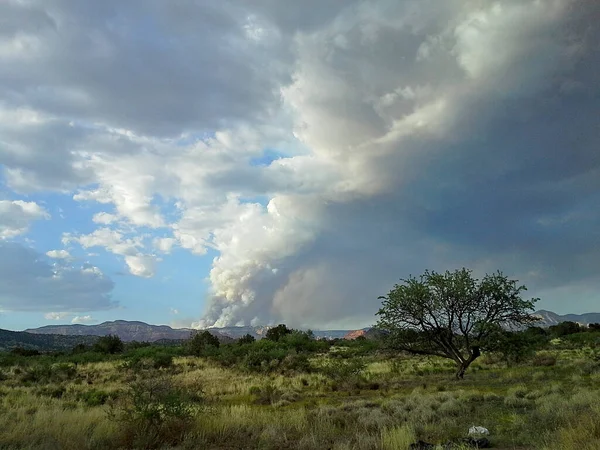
(42, 342)
(126, 330)
(549, 318)
(141, 331)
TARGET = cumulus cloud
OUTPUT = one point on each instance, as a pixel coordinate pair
(139, 264)
(28, 283)
(165, 245)
(58, 254)
(17, 215)
(56, 315)
(408, 135)
(83, 319)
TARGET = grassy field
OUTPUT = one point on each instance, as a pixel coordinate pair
(339, 398)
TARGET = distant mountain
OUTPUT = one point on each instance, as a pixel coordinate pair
(549, 318)
(41, 342)
(143, 332)
(126, 330)
(260, 332)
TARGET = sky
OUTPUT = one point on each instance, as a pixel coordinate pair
(218, 162)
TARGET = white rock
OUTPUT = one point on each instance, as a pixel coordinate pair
(478, 431)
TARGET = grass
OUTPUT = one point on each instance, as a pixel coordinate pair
(379, 402)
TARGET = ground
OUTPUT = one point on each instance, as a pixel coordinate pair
(552, 402)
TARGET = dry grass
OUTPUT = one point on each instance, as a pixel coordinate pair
(415, 398)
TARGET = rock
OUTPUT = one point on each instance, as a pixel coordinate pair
(477, 442)
(421, 445)
(478, 431)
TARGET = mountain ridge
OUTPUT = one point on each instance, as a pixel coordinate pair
(549, 318)
(142, 331)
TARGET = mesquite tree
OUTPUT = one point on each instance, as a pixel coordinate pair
(452, 315)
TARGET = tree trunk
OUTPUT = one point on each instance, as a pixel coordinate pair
(464, 365)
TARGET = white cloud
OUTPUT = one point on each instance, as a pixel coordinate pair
(83, 319)
(58, 254)
(174, 311)
(165, 245)
(17, 215)
(139, 264)
(398, 123)
(104, 218)
(56, 315)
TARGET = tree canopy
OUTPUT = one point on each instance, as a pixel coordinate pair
(452, 314)
(278, 332)
(200, 341)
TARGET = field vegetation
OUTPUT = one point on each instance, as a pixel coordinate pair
(538, 389)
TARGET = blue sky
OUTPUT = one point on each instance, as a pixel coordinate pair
(221, 163)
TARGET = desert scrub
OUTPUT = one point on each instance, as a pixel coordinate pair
(397, 438)
(153, 412)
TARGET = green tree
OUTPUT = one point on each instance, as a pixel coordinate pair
(199, 342)
(515, 346)
(593, 327)
(276, 333)
(246, 339)
(566, 328)
(452, 315)
(109, 344)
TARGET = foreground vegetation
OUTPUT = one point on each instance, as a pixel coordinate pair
(291, 391)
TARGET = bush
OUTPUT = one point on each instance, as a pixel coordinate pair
(109, 345)
(163, 361)
(51, 391)
(268, 394)
(246, 339)
(80, 348)
(20, 351)
(344, 369)
(544, 359)
(264, 356)
(565, 329)
(94, 397)
(202, 342)
(276, 333)
(45, 373)
(154, 413)
(295, 363)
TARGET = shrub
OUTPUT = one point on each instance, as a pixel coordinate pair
(20, 351)
(276, 333)
(154, 413)
(344, 369)
(544, 359)
(201, 342)
(565, 329)
(266, 395)
(163, 361)
(94, 397)
(109, 345)
(264, 356)
(134, 345)
(80, 348)
(295, 363)
(51, 391)
(246, 339)
(397, 438)
(36, 374)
